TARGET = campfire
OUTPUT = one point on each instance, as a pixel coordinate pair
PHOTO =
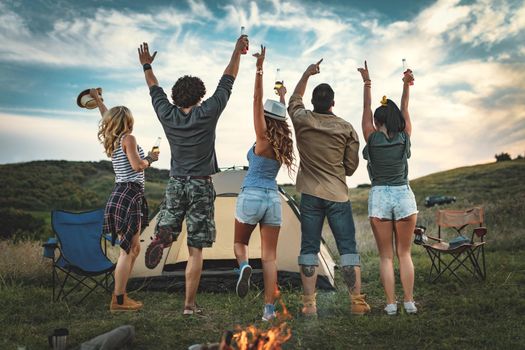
(253, 338)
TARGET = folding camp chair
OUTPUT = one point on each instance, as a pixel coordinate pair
(81, 258)
(460, 252)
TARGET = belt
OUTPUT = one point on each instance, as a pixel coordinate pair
(193, 177)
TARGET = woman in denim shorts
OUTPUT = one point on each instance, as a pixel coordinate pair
(391, 204)
(259, 201)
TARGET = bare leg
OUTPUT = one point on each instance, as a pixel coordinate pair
(309, 278)
(404, 232)
(383, 231)
(122, 271)
(269, 237)
(242, 237)
(135, 250)
(193, 275)
(352, 277)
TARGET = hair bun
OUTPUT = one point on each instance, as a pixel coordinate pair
(384, 101)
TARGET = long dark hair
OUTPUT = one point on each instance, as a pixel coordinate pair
(391, 117)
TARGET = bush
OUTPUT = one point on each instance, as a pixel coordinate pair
(502, 157)
(18, 224)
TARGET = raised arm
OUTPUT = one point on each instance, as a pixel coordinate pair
(311, 70)
(233, 67)
(146, 60)
(100, 104)
(407, 79)
(258, 110)
(367, 122)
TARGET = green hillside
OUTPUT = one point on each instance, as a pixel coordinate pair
(31, 190)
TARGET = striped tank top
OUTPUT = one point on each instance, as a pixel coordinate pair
(122, 168)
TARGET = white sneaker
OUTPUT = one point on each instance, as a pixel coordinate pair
(410, 307)
(391, 309)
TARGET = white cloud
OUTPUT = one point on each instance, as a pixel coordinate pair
(458, 112)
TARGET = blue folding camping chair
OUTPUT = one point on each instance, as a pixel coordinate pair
(81, 258)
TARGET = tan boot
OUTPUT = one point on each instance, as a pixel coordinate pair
(359, 305)
(139, 303)
(309, 305)
(128, 305)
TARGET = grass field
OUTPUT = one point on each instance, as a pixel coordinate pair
(474, 315)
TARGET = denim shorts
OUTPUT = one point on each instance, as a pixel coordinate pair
(258, 205)
(391, 202)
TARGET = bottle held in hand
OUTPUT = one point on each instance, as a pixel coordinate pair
(278, 81)
(156, 146)
(243, 33)
(406, 70)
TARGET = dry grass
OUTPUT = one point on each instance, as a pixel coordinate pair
(22, 261)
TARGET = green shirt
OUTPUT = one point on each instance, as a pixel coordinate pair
(387, 158)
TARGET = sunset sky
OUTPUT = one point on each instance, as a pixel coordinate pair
(468, 58)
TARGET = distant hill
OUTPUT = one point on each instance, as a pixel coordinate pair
(31, 190)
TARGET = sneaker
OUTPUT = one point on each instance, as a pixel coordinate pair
(410, 307)
(156, 248)
(268, 312)
(359, 305)
(127, 305)
(391, 309)
(243, 283)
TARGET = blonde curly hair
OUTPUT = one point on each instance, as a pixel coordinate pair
(116, 122)
(279, 135)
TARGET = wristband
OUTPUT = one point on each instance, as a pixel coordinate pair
(149, 160)
(146, 66)
(367, 80)
(259, 71)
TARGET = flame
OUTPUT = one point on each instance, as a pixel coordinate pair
(253, 338)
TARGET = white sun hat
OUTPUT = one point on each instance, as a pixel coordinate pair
(275, 110)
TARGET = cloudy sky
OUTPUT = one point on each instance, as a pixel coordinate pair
(467, 104)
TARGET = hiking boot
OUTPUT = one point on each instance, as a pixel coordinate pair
(139, 303)
(309, 305)
(410, 307)
(268, 312)
(128, 304)
(156, 248)
(391, 309)
(243, 282)
(359, 305)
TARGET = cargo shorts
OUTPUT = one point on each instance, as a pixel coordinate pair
(191, 199)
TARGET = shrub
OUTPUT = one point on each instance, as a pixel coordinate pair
(17, 224)
(502, 157)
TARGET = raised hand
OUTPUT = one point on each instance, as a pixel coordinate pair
(94, 93)
(242, 44)
(408, 77)
(282, 90)
(144, 55)
(364, 73)
(260, 57)
(313, 69)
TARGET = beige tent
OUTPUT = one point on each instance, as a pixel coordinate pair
(219, 261)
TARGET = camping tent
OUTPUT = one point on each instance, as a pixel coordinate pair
(219, 261)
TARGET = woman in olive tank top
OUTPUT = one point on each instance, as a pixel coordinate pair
(391, 204)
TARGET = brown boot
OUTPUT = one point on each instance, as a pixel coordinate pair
(359, 305)
(127, 305)
(309, 305)
(139, 303)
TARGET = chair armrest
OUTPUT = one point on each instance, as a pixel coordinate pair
(49, 247)
(108, 238)
(480, 231)
(435, 239)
